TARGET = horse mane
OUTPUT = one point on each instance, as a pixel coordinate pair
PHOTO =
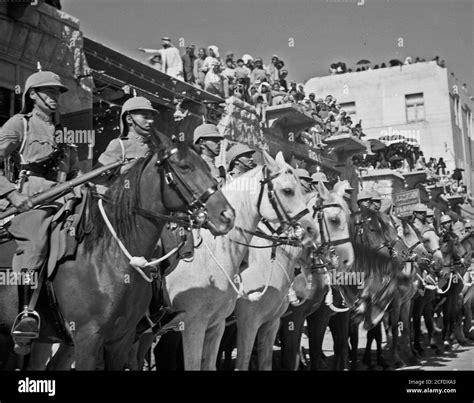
(123, 194)
(367, 260)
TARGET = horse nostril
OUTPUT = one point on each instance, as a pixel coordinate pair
(227, 215)
(346, 261)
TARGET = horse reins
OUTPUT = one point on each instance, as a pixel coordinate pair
(197, 212)
(286, 221)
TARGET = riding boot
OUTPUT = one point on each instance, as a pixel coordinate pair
(27, 324)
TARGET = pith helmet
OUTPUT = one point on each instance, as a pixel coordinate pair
(134, 104)
(468, 225)
(41, 79)
(206, 130)
(429, 213)
(302, 174)
(319, 177)
(376, 196)
(445, 219)
(420, 208)
(364, 195)
(237, 151)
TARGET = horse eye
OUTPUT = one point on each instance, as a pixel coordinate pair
(334, 220)
(289, 192)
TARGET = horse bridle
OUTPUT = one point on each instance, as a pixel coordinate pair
(327, 244)
(286, 221)
(197, 214)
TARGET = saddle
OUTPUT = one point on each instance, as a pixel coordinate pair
(69, 226)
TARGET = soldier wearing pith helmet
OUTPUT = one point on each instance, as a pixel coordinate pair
(419, 214)
(32, 163)
(305, 179)
(240, 160)
(136, 135)
(208, 138)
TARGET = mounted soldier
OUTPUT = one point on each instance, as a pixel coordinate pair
(209, 139)
(305, 179)
(419, 215)
(429, 220)
(33, 162)
(319, 177)
(445, 225)
(240, 160)
(375, 202)
(135, 140)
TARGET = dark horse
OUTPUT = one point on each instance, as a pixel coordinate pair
(101, 295)
(375, 245)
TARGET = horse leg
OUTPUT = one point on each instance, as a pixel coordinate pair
(212, 340)
(354, 343)
(266, 339)
(418, 307)
(88, 344)
(467, 312)
(290, 338)
(39, 356)
(193, 343)
(367, 360)
(394, 317)
(246, 333)
(339, 325)
(458, 299)
(117, 352)
(317, 324)
(62, 360)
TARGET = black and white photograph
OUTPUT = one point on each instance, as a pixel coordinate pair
(191, 189)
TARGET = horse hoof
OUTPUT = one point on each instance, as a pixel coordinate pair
(381, 361)
(447, 345)
(400, 364)
(354, 366)
(22, 349)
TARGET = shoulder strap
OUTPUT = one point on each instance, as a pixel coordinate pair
(122, 146)
(23, 142)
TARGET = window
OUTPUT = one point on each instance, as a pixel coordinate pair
(349, 107)
(415, 107)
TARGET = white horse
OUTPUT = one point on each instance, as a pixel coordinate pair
(205, 288)
(261, 318)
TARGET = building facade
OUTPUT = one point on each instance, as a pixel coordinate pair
(421, 101)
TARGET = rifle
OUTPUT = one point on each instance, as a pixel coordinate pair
(64, 188)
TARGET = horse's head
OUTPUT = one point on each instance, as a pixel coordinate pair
(191, 188)
(281, 199)
(409, 236)
(331, 214)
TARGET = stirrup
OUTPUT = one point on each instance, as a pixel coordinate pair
(22, 336)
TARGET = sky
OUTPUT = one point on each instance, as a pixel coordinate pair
(308, 35)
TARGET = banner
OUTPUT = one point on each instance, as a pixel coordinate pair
(405, 201)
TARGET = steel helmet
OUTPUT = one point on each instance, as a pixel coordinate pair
(420, 208)
(376, 196)
(364, 195)
(468, 225)
(302, 174)
(319, 177)
(237, 151)
(429, 213)
(445, 219)
(41, 79)
(206, 130)
(134, 104)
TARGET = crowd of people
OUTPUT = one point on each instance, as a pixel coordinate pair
(250, 80)
(363, 65)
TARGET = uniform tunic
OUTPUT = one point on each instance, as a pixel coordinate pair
(134, 146)
(30, 229)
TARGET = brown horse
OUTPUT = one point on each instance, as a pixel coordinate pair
(101, 295)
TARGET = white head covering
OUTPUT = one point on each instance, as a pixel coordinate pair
(215, 50)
